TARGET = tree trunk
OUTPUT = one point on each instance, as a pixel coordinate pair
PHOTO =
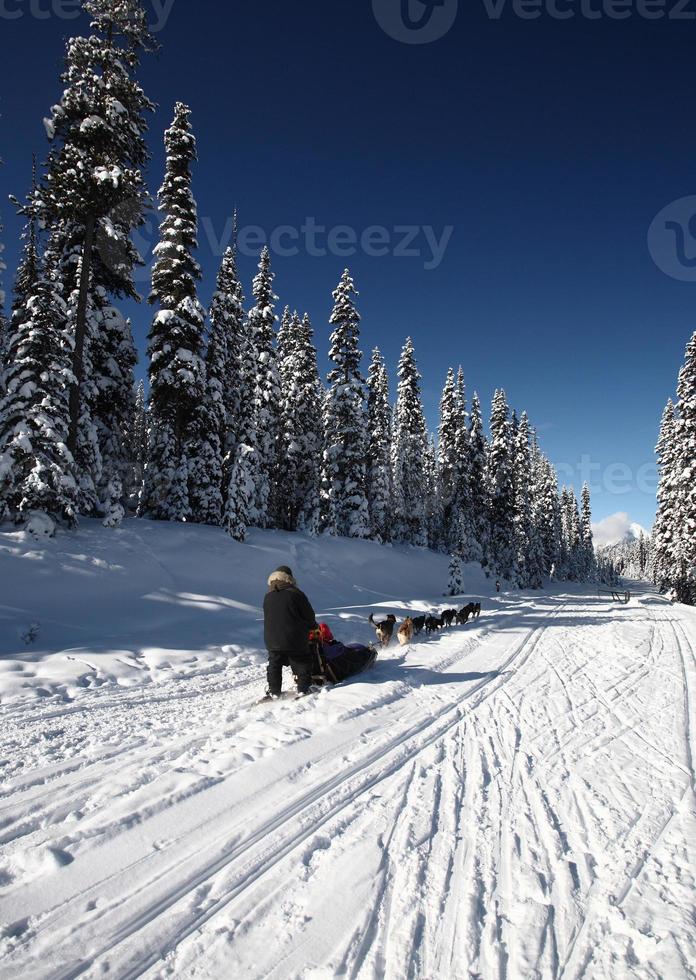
(78, 365)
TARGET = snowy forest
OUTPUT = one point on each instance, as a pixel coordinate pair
(237, 427)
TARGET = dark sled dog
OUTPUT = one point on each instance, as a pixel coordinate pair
(473, 610)
(385, 629)
(432, 624)
(448, 617)
(418, 625)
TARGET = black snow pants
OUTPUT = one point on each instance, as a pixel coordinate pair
(298, 660)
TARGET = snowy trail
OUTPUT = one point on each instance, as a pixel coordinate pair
(514, 798)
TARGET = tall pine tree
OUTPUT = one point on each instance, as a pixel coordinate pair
(665, 531)
(448, 465)
(685, 475)
(586, 536)
(227, 350)
(302, 427)
(177, 369)
(4, 326)
(36, 467)
(502, 490)
(379, 440)
(345, 500)
(408, 454)
(114, 358)
(527, 546)
(476, 546)
(94, 187)
(267, 400)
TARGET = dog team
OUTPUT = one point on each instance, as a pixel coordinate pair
(431, 624)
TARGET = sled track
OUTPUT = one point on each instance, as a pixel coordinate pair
(74, 779)
(314, 809)
(581, 950)
(687, 657)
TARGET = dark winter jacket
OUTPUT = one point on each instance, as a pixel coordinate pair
(288, 617)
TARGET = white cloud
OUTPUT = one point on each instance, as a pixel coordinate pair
(615, 528)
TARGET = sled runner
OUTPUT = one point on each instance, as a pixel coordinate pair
(285, 696)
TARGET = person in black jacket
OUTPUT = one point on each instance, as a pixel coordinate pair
(288, 619)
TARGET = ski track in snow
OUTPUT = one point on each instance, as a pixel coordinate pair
(512, 799)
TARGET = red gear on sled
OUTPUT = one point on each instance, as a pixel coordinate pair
(323, 634)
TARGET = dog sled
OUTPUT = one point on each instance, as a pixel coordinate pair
(333, 661)
(617, 595)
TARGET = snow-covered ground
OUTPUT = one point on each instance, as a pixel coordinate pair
(511, 799)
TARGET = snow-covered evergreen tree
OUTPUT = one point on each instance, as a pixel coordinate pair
(528, 552)
(448, 465)
(205, 464)
(241, 459)
(431, 479)
(643, 553)
(228, 361)
(573, 554)
(476, 544)
(177, 369)
(218, 415)
(456, 579)
(586, 536)
(136, 444)
(4, 326)
(286, 345)
(686, 478)
(240, 509)
(547, 513)
(267, 398)
(408, 454)
(379, 419)
(345, 422)
(302, 433)
(36, 467)
(501, 489)
(113, 357)
(94, 187)
(665, 530)
(26, 281)
(675, 525)
(463, 449)
(287, 335)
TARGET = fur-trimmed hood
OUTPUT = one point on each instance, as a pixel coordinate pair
(280, 580)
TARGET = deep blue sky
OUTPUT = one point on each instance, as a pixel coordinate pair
(549, 146)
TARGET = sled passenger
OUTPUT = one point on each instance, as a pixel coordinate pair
(288, 618)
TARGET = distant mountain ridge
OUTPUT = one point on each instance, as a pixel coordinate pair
(617, 529)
